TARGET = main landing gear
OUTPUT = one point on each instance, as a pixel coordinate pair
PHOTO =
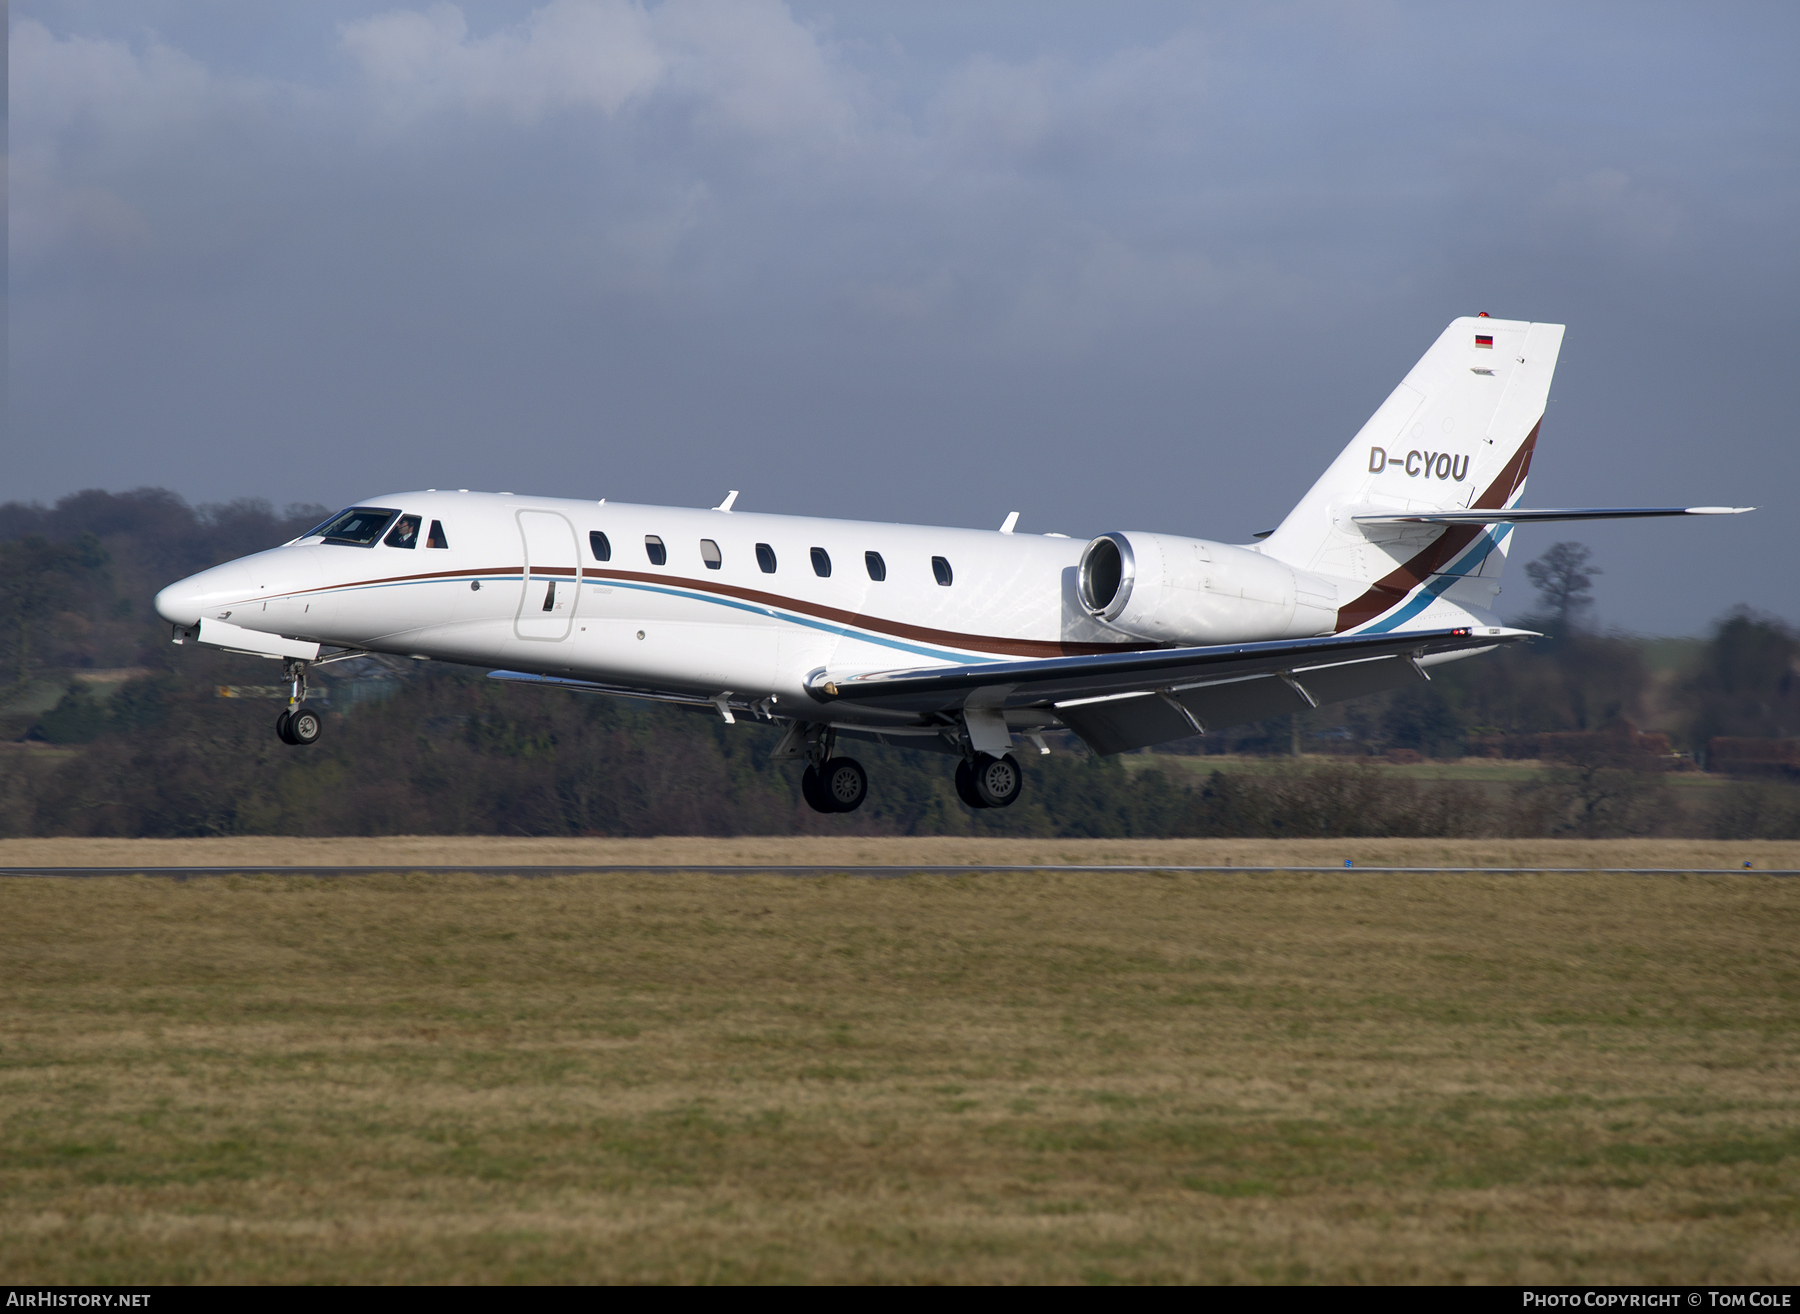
(989, 781)
(830, 783)
(298, 724)
(840, 785)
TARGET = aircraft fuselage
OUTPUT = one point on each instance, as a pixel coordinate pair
(519, 583)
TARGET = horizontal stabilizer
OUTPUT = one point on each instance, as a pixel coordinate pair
(1520, 516)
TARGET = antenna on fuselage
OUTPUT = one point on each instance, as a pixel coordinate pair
(729, 499)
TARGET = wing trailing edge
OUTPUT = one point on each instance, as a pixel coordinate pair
(1118, 701)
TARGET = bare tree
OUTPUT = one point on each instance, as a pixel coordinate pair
(1564, 581)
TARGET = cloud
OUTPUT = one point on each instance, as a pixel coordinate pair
(743, 66)
(567, 55)
(1052, 113)
(718, 153)
(81, 96)
(102, 88)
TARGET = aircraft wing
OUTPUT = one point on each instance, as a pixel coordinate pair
(1118, 701)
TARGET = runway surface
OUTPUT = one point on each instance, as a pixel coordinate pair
(851, 869)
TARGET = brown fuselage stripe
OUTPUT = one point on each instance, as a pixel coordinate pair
(1392, 588)
(858, 620)
(880, 625)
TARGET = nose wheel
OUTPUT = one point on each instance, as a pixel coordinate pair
(301, 727)
(299, 724)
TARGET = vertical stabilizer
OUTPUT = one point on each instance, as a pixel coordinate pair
(1457, 433)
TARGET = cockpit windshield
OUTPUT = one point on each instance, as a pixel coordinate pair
(360, 526)
(320, 528)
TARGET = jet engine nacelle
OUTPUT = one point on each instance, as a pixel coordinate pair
(1187, 590)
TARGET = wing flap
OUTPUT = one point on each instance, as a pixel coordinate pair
(1120, 723)
(1056, 681)
(1335, 684)
(1241, 701)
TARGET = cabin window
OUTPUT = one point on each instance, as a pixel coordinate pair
(436, 539)
(940, 568)
(360, 526)
(877, 567)
(599, 545)
(405, 533)
(654, 549)
(821, 563)
(709, 553)
(765, 558)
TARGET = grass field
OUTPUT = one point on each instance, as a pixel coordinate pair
(270, 853)
(1005, 1077)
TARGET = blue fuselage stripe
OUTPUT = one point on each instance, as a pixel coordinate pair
(1434, 587)
(842, 631)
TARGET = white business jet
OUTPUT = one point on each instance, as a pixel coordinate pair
(957, 640)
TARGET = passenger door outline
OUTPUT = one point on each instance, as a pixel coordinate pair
(552, 577)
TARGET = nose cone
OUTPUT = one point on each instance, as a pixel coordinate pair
(179, 604)
(207, 594)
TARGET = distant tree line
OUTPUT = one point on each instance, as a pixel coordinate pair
(107, 729)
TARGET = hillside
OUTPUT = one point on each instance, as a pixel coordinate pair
(108, 729)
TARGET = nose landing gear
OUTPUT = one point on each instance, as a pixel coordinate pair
(298, 724)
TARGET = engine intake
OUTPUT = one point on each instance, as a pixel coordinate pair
(1190, 590)
(1106, 575)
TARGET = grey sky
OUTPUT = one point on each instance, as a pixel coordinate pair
(1120, 266)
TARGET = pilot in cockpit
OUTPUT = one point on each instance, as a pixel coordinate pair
(405, 533)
